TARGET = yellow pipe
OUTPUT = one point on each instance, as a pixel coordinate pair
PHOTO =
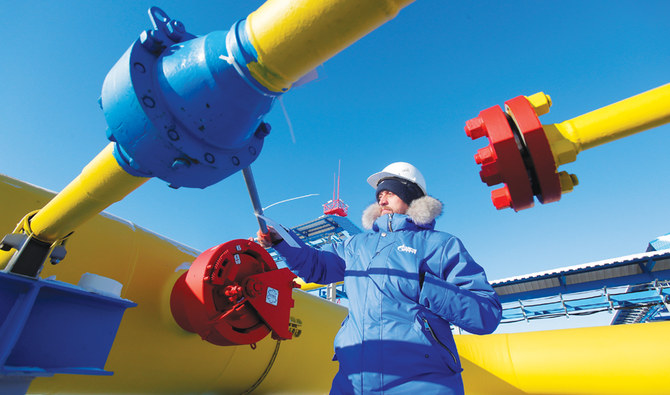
(101, 183)
(151, 354)
(621, 359)
(635, 114)
(292, 37)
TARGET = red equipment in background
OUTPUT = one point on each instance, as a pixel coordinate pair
(336, 206)
(234, 294)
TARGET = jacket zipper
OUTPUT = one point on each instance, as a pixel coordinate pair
(390, 224)
(427, 325)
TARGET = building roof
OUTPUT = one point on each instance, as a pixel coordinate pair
(625, 270)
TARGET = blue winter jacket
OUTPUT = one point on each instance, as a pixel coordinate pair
(405, 283)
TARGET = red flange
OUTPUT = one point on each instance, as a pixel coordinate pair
(537, 145)
(501, 160)
(234, 294)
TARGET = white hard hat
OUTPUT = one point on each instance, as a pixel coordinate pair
(402, 170)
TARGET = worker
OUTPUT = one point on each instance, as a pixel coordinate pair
(406, 284)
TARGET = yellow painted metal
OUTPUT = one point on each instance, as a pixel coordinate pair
(622, 359)
(540, 103)
(635, 114)
(312, 286)
(101, 183)
(292, 37)
(568, 181)
(152, 354)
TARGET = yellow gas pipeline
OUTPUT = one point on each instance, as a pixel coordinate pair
(609, 360)
(293, 37)
(152, 354)
(101, 183)
(622, 119)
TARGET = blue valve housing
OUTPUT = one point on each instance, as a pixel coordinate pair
(184, 108)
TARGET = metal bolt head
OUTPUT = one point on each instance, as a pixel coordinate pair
(262, 130)
(485, 155)
(253, 287)
(568, 181)
(490, 174)
(475, 128)
(540, 103)
(501, 198)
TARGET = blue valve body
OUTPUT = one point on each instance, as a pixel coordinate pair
(184, 108)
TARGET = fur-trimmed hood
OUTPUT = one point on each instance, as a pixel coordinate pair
(422, 211)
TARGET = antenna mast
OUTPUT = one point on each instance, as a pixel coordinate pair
(336, 206)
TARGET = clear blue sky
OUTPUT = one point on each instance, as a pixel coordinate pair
(403, 93)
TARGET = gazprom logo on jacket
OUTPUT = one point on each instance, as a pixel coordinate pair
(404, 248)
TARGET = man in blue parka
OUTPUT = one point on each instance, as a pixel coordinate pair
(406, 283)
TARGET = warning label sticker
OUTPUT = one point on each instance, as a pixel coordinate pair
(272, 297)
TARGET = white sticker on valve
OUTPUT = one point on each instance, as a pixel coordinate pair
(272, 296)
(237, 259)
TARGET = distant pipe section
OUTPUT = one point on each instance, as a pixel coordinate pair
(524, 155)
(615, 121)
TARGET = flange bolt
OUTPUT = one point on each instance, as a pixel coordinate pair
(501, 198)
(475, 128)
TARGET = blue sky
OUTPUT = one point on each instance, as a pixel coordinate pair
(402, 93)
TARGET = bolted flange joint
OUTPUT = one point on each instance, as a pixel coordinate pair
(518, 155)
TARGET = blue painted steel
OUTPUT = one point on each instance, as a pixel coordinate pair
(183, 108)
(14, 385)
(49, 327)
(554, 307)
(320, 231)
(659, 243)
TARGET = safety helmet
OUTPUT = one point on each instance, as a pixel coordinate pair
(402, 170)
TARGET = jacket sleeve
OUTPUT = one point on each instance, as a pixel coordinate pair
(460, 293)
(322, 266)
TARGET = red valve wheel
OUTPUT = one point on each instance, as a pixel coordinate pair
(216, 298)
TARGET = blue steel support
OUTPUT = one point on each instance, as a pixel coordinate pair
(81, 326)
(649, 265)
(561, 280)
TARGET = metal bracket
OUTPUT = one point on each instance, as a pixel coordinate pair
(31, 254)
